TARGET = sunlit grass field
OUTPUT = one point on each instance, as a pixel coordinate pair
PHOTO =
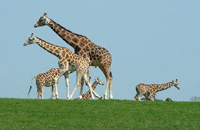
(34, 114)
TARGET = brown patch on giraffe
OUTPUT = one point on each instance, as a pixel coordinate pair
(57, 51)
(59, 28)
(82, 44)
(68, 38)
(63, 35)
(72, 35)
(63, 54)
(81, 53)
(51, 50)
(75, 39)
(84, 55)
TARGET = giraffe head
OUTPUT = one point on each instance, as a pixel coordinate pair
(44, 20)
(99, 81)
(175, 83)
(32, 39)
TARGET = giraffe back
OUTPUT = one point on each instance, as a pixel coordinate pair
(46, 79)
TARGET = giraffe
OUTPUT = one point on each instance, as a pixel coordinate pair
(96, 55)
(49, 78)
(68, 62)
(150, 90)
(87, 95)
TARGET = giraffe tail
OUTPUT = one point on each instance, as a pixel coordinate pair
(31, 85)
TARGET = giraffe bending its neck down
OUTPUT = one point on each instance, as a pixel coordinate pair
(49, 78)
(96, 55)
(87, 95)
(150, 90)
(68, 62)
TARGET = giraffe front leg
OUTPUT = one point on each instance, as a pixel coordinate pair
(152, 96)
(82, 83)
(53, 92)
(77, 85)
(55, 86)
(67, 85)
(110, 90)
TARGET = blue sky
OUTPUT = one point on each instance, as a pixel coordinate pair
(150, 41)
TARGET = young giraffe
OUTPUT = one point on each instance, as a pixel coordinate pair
(68, 62)
(49, 78)
(96, 55)
(87, 95)
(150, 90)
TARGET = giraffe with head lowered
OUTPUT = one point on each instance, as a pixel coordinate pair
(150, 90)
(68, 62)
(96, 55)
(88, 95)
(47, 79)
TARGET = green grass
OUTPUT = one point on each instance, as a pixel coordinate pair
(28, 114)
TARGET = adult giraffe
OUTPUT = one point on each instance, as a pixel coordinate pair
(96, 55)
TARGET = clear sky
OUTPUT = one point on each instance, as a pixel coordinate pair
(150, 41)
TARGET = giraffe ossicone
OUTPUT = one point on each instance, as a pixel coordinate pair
(96, 55)
(68, 62)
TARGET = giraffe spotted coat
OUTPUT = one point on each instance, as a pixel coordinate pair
(47, 79)
(83, 46)
(150, 90)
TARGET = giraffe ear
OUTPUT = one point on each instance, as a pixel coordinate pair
(45, 14)
(176, 80)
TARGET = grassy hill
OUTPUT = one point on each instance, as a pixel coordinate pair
(33, 114)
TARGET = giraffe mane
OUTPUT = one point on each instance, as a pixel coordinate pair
(68, 29)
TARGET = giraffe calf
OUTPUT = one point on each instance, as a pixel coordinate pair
(88, 95)
(48, 79)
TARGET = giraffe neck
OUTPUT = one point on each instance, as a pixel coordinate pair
(55, 50)
(88, 95)
(71, 38)
(164, 86)
(94, 85)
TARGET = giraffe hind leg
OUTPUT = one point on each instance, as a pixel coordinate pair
(109, 78)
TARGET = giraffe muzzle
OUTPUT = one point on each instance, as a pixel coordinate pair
(25, 44)
(36, 25)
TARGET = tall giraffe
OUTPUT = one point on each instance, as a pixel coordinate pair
(49, 78)
(68, 62)
(87, 95)
(150, 90)
(96, 55)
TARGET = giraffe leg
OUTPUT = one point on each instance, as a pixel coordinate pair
(67, 85)
(136, 97)
(78, 83)
(40, 92)
(55, 88)
(147, 96)
(108, 76)
(82, 83)
(139, 96)
(53, 92)
(152, 96)
(86, 78)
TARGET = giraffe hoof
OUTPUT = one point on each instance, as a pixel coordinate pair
(80, 97)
